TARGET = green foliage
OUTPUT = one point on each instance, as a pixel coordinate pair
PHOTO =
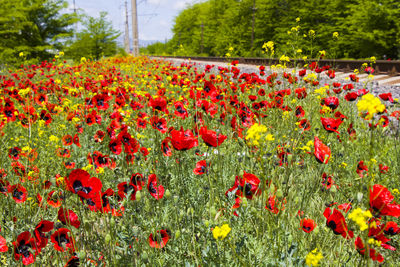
(34, 27)
(366, 28)
(96, 40)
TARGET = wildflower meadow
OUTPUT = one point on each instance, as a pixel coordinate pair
(137, 161)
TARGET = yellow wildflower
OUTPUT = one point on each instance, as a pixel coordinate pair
(360, 217)
(254, 133)
(313, 258)
(335, 35)
(369, 105)
(220, 233)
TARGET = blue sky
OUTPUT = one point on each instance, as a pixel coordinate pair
(155, 17)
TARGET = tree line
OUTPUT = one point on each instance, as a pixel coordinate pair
(342, 28)
(35, 30)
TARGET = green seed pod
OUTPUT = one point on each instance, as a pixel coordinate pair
(206, 223)
(112, 222)
(333, 189)
(81, 254)
(145, 257)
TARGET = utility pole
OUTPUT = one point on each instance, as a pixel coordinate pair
(135, 34)
(202, 41)
(76, 24)
(126, 39)
(252, 27)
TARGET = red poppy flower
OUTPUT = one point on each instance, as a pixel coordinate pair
(362, 169)
(155, 190)
(245, 186)
(353, 78)
(41, 99)
(274, 206)
(330, 124)
(15, 153)
(100, 101)
(141, 123)
(383, 169)
(372, 252)
(302, 72)
(166, 148)
(307, 225)
(301, 93)
(99, 136)
(62, 241)
(381, 202)
(180, 110)
(391, 228)
(54, 199)
(160, 240)
(322, 152)
(387, 97)
(336, 221)
(63, 152)
(351, 96)
(124, 189)
(76, 140)
(299, 112)
(4, 186)
(69, 165)
(383, 121)
(345, 207)
(115, 146)
(332, 102)
(39, 233)
(23, 247)
(201, 167)
(72, 262)
(80, 182)
(208, 87)
(19, 193)
(305, 124)
(159, 124)
(160, 104)
(68, 217)
(67, 140)
(211, 138)
(3, 244)
(183, 140)
(327, 181)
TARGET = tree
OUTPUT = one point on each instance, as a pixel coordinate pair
(34, 27)
(96, 40)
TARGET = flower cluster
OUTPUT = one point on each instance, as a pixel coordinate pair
(313, 258)
(220, 233)
(369, 105)
(360, 217)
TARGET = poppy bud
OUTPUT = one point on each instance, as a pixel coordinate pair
(107, 239)
(206, 223)
(138, 196)
(333, 189)
(167, 194)
(244, 202)
(279, 193)
(296, 200)
(81, 254)
(177, 234)
(176, 199)
(213, 212)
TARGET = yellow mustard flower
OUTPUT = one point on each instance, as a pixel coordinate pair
(220, 233)
(360, 217)
(313, 258)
